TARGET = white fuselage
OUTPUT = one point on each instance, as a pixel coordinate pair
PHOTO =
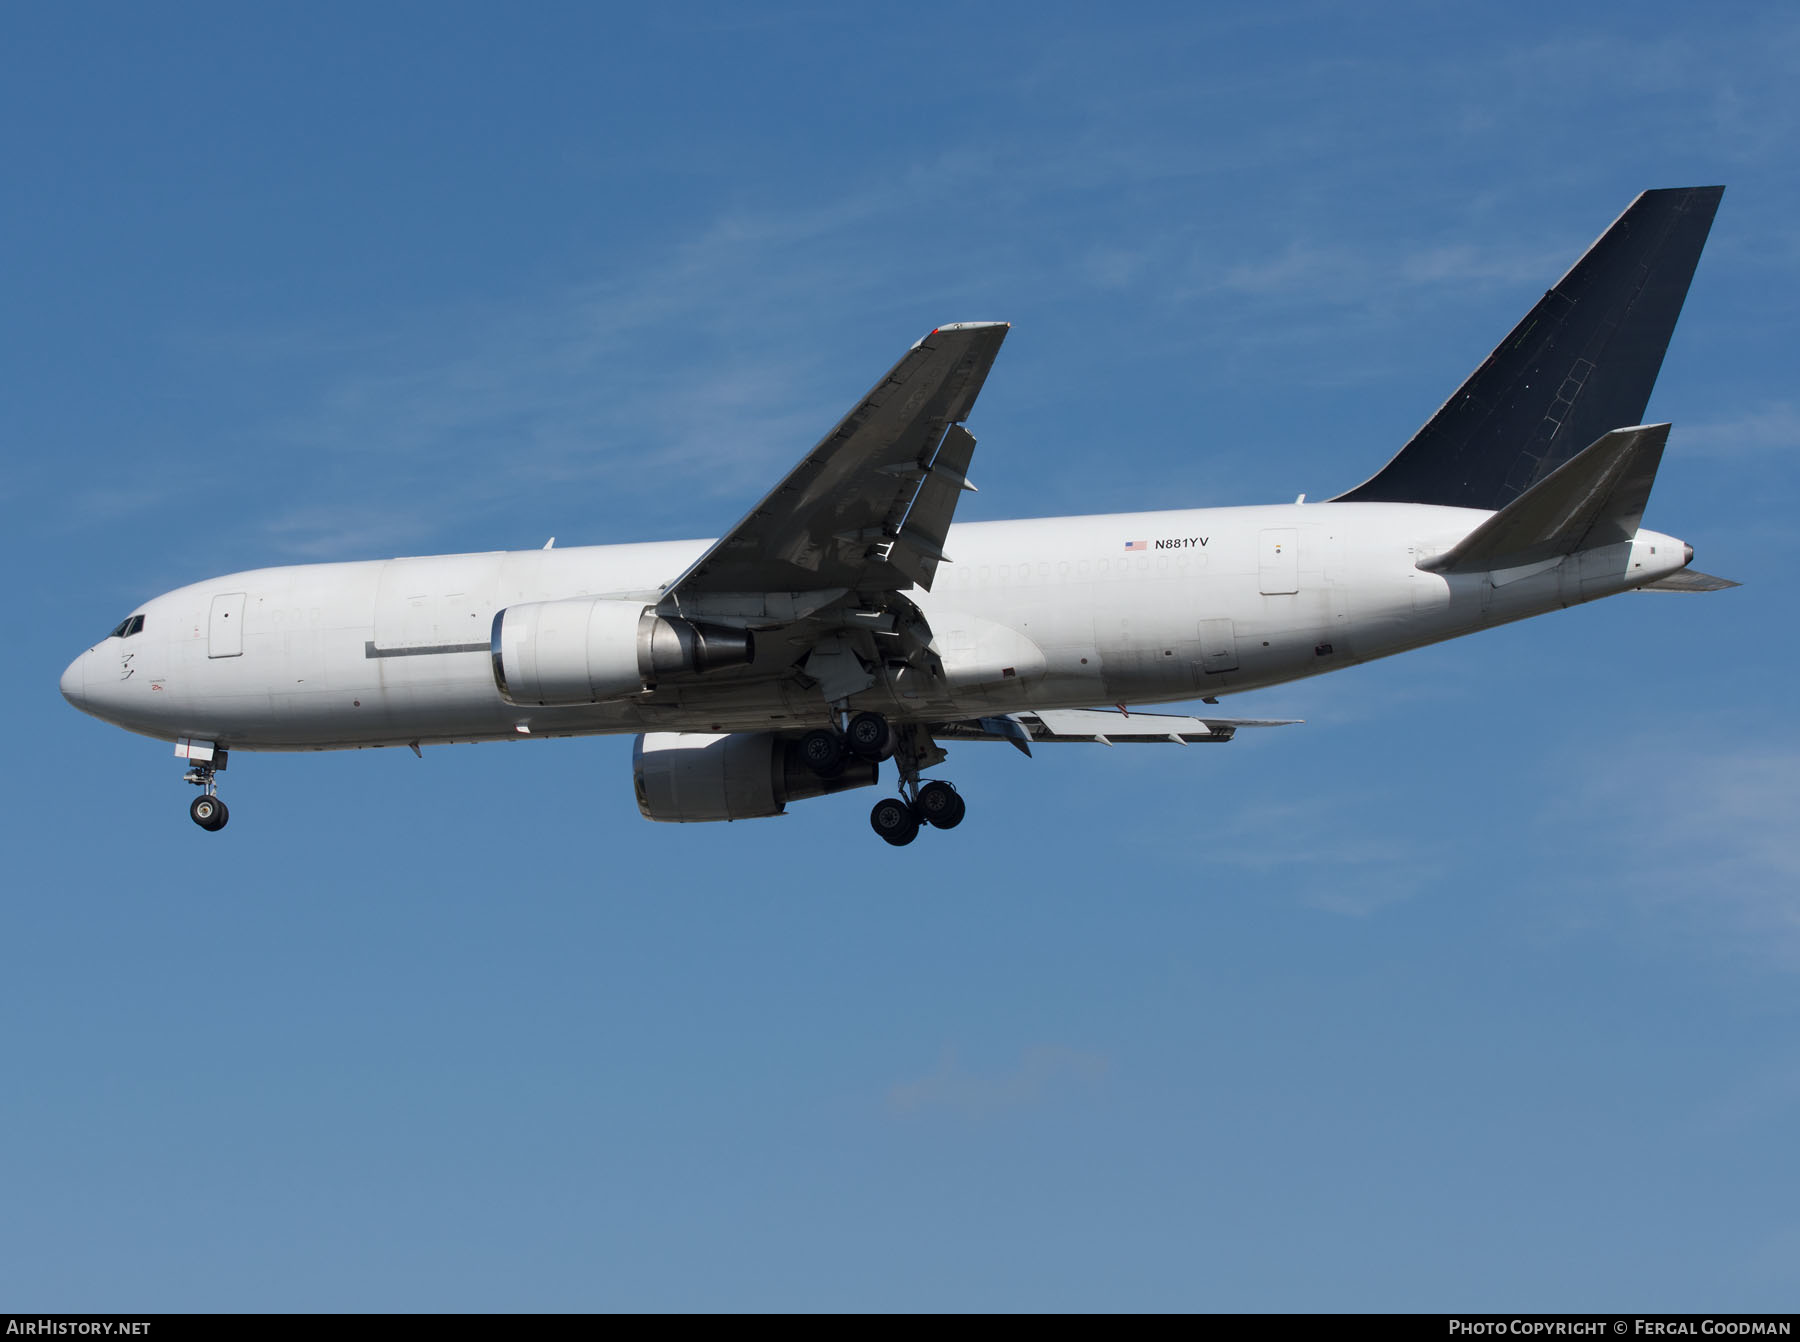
(1041, 613)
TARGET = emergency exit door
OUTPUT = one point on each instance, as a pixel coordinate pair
(225, 632)
(1278, 561)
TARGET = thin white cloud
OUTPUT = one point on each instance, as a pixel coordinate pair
(104, 504)
(1725, 91)
(1468, 265)
(1336, 272)
(1298, 267)
(1739, 810)
(1110, 268)
(1766, 1097)
(708, 358)
(1328, 856)
(1703, 844)
(1773, 427)
(706, 361)
(1040, 1071)
(320, 533)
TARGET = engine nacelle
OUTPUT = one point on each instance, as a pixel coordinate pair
(591, 649)
(688, 776)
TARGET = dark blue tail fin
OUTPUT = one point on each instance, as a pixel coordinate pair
(1580, 365)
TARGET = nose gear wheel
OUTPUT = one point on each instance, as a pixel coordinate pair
(209, 812)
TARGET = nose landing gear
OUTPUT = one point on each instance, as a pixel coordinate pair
(208, 810)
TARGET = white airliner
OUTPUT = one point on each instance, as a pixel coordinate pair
(845, 622)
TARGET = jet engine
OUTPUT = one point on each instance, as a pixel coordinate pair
(684, 776)
(591, 649)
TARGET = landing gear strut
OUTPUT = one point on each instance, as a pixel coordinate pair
(937, 803)
(871, 736)
(208, 810)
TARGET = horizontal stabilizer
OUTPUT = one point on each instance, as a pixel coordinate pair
(1106, 726)
(1689, 580)
(1595, 498)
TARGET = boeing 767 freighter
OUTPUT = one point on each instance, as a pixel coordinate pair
(845, 623)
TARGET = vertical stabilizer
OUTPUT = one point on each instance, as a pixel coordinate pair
(1579, 365)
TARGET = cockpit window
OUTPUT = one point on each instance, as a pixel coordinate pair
(134, 625)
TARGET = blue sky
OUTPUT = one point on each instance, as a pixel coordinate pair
(1477, 991)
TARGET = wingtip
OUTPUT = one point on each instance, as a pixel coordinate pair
(960, 326)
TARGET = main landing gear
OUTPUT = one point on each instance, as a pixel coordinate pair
(208, 810)
(866, 736)
(870, 736)
(936, 804)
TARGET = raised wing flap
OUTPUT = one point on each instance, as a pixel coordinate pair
(831, 522)
(919, 548)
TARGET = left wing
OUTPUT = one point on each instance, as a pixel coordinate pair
(867, 509)
(1105, 726)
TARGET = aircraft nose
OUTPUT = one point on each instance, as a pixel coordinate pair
(74, 682)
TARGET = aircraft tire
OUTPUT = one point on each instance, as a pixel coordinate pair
(941, 805)
(894, 821)
(870, 736)
(209, 813)
(823, 752)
